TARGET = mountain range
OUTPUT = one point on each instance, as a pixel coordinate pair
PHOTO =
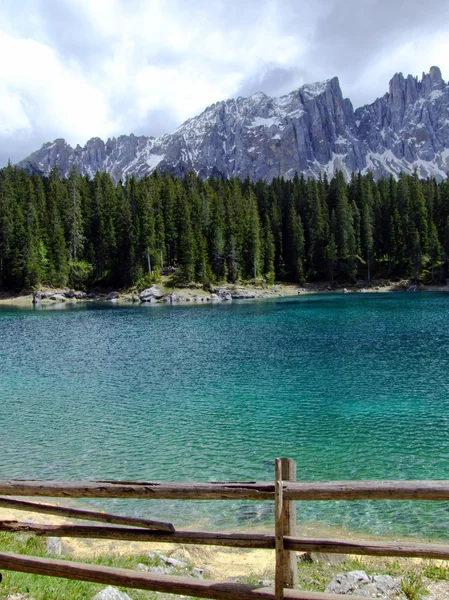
(312, 130)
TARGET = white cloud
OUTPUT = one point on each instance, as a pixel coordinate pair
(42, 92)
(78, 68)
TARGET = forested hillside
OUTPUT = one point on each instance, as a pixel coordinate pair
(78, 232)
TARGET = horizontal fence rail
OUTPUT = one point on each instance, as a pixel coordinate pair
(85, 515)
(234, 540)
(252, 490)
(150, 581)
(284, 492)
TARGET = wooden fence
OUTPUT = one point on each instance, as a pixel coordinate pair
(284, 491)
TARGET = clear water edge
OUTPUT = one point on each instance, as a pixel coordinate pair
(357, 384)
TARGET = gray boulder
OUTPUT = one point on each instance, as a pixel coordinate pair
(172, 562)
(358, 583)
(111, 593)
(161, 570)
(113, 296)
(178, 564)
(224, 294)
(174, 298)
(70, 294)
(57, 297)
(151, 293)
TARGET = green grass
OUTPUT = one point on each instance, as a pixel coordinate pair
(413, 586)
(41, 587)
(313, 576)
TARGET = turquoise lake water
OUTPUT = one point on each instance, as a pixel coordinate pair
(350, 386)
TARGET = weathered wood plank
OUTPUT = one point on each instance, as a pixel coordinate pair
(149, 581)
(331, 490)
(368, 548)
(278, 532)
(367, 490)
(288, 473)
(148, 490)
(85, 515)
(233, 540)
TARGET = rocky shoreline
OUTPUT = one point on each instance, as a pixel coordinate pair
(166, 294)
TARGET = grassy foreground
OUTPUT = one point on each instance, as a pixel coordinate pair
(40, 587)
(415, 576)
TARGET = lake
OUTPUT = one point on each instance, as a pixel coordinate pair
(352, 386)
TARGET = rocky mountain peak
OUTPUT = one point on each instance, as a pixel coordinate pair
(435, 76)
(311, 130)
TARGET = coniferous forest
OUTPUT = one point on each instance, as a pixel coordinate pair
(78, 232)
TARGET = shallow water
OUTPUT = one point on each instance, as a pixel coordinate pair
(350, 386)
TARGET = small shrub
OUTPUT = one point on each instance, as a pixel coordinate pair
(149, 279)
(80, 272)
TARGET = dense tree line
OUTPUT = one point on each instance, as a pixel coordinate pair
(79, 232)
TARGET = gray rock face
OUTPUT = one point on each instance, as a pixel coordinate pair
(358, 583)
(311, 130)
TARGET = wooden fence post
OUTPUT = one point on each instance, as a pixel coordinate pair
(288, 473)
(278, 532)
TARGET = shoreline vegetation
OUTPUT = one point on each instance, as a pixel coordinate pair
(166, 292)
(80, 233)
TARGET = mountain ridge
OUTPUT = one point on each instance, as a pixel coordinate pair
(312, 130)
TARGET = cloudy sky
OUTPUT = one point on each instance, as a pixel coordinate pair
(83, 68)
